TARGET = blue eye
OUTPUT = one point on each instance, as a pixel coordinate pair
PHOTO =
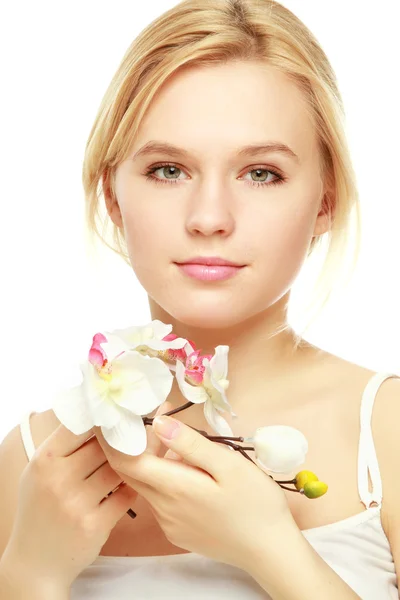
(150, 175)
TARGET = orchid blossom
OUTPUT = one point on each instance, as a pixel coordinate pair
(211, 390)
(128, 375)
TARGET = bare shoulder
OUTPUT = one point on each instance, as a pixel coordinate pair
(385, 429)
(337, 375)
(385, 424)
(13, 461)
(351, 380)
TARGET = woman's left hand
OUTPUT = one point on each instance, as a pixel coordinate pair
(212, 501)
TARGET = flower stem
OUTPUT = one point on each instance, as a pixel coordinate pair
(149, 420)
(228, 441)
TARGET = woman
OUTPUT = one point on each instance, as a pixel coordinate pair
(221, 137)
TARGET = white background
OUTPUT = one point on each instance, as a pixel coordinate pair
(57, 59)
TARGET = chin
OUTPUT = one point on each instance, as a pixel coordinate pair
(220, 316)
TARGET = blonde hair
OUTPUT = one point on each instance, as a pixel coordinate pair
(207, 33)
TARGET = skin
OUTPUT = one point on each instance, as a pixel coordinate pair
(212, 209)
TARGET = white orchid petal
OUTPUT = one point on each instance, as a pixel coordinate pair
(103, 410)
(176, 344)
(97, 397)
(280, 448)
(219, 363)
(145, 383)
(189, 348)
(218, 423)
(160, 329)
(93, 385)
(220, 401)
(217, 393)
(128, 435)
(193, 393)
(72, 411)
(114, 346)
(132, 336)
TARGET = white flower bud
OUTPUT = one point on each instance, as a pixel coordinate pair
(279, 448)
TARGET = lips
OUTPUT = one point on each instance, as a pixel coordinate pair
(209, 272)
(210, 261)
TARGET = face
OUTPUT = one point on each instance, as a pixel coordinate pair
(258, 210)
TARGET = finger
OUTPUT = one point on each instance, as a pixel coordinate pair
(193, 447)
(154, 443)
(62, 442)
(172, 455)
(138, 487)
(162, 475)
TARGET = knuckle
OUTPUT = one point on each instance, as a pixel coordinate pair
(77, 515)
(45, 479)
(89, 525)
(115, 461)
(192, 447)
(72, 508)
(37, 463)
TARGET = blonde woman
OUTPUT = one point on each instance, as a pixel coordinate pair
(220, 156)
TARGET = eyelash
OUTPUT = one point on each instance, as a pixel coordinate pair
(149, 176)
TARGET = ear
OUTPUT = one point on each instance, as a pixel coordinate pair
(326, 213)
(111, 200)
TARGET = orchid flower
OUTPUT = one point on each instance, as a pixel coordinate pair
(128, 375)
(119, 386)
(211, 390)
(194, 368)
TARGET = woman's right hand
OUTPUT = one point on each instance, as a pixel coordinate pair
(63, 516)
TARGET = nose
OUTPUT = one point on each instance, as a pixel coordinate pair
(210, 211)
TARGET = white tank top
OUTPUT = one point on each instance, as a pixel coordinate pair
(356, 548)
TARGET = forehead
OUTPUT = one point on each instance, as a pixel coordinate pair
(224, 106)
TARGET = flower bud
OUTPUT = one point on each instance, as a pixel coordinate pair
(303, 477)
(315, 489)
(279, 448)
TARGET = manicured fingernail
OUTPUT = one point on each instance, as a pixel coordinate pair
(167, 427)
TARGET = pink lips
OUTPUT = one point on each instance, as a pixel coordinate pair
(209, 269)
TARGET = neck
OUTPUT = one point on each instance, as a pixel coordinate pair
(259, 360)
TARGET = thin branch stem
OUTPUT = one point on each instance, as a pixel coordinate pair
(228, 441)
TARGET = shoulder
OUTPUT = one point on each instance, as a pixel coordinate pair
(385, 430)
(385, 425)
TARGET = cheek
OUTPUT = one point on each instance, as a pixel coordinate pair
(149, 239)
(279, 243)
(283, 235)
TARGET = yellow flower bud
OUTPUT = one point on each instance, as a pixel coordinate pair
(303, 477)
(315, 489)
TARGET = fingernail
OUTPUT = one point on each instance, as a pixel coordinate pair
(167, 427)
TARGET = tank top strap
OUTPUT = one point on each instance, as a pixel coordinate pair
(367, 457)
(26, 434)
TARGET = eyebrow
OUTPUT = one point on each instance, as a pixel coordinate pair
(155, 146)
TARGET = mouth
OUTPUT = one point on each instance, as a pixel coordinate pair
(209, 269)
(210, 261)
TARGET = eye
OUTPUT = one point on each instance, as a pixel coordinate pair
(279, 178)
